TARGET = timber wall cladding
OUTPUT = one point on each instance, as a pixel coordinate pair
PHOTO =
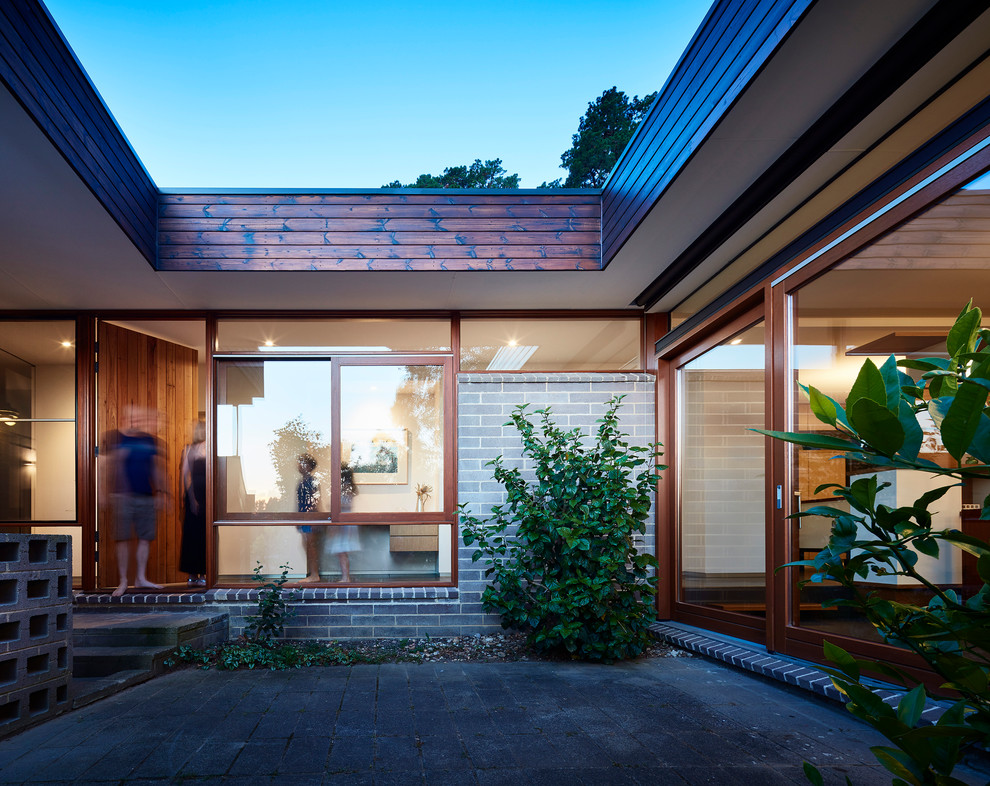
(381, 231)
(161, 377)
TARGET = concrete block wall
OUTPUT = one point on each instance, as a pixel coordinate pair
(35, 628)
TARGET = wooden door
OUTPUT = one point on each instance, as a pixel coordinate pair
(140, 370)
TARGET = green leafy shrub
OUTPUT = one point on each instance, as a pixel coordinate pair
(274, 610)
(560, 550)
(879, 426)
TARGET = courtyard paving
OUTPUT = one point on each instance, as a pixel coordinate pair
(660, 721)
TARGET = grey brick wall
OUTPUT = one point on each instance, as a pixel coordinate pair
(485, 402)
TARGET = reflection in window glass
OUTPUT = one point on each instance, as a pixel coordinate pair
(75, 533)
(378, 553)
(37, 421)
(722, 476)
(391, 439)
(268, 414)
(898, 296)
(550, 344)
(333, 335)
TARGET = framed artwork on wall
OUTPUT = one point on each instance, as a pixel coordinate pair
(376, 456)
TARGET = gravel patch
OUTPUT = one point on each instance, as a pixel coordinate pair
(487, 648)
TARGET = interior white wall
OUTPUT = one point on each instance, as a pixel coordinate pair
(53, 490)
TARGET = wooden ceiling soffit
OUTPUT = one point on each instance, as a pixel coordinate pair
(380, 231)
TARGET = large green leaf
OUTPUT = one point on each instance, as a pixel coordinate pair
(967, 543)
(813, 775)
(979, 445)
(962, 419)
(911, 706)
(822, 407)
(869, 384)
(938, 408)
(809, 440)
(914, 435)
(847, 664)
(962, 336)
(933, 495)
(877, 426)
(892, 382)
(900, 764)
(983, 566)
(923, 364)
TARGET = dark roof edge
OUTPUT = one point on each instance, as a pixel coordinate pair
(675, 75)
(935, 30)
(402, 191)
(772, 42)
(97, 94)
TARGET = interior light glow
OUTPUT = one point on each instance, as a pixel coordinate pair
(67, 344)
(269, 343)
(736, 341)
(511, 358)
(513, 342)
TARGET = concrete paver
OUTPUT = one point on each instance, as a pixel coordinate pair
(665, 721)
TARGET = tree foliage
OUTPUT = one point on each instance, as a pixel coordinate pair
(489, 174)
(879, 425)
(291, 440)
(602, 135)
(560, 550)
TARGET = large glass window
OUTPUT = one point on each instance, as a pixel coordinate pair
(37, 421)
(898, 296)
(391, 439)
(721, 473)
(373, 553)
(550, 344)
(269, 413)
(334, 466)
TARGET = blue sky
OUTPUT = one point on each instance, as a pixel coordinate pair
(327, 94)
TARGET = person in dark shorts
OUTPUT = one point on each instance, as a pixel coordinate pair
(138, 487)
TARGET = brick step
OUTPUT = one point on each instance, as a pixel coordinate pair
(147, 629)
(104, 661)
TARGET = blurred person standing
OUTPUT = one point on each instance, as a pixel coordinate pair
(192, 554)
(138, 491)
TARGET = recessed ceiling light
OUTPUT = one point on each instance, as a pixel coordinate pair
(269, 343)
(513, 343)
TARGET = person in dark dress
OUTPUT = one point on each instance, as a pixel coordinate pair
(192, 555)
